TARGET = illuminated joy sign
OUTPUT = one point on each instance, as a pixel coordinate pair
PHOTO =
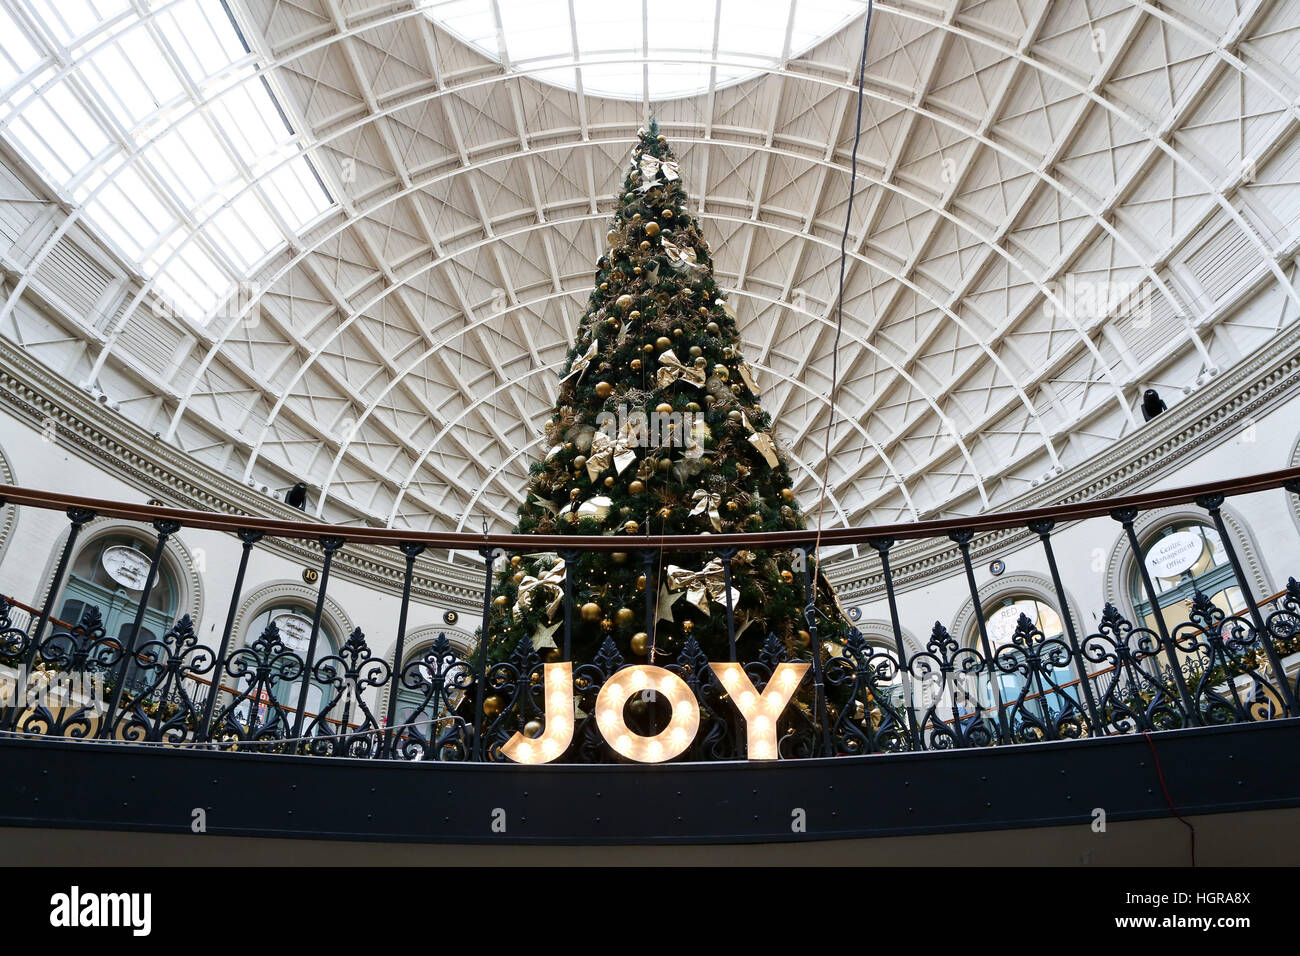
(760, 709)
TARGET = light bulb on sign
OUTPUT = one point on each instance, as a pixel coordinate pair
(558, 734)
(669, 742)
(761, 712)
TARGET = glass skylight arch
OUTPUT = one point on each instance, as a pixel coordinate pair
(193, 198)
(630, 49)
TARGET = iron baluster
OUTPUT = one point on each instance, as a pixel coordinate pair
(1044, 529)
(165, 528)
(651, 596)
(1213, 504)
(411, 551)
(726, 554)
(78, 518)
(810, 618)
(1126, 517)
(480, 676)
(329, 544)
(963, 540)
(249, 538)
(570, 565)
(881, 546)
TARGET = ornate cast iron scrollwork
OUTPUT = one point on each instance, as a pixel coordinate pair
(345, 726)
(259, 670)
(161, 706)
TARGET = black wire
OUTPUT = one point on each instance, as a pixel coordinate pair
(839, 297)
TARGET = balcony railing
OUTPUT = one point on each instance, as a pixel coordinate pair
(70, 680)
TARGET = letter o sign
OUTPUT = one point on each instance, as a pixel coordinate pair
(669, 742)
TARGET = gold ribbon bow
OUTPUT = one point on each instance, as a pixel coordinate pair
(703, 586)
(707, 502)
(550, 584)
(652, 166)
(671, 369)
(748, 376)
(681, 258)
(581, 362)
(606, 451)
(762, 441)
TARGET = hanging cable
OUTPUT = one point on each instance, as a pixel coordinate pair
(839, 296)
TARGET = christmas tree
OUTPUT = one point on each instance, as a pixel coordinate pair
(657, 430)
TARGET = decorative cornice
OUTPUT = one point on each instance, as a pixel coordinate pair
(124, 449)
(1158, 448)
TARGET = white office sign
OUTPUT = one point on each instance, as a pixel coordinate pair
(295, 631)
(1174, 553)
(127, 566)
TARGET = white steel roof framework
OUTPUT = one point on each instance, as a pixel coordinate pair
(394, 267)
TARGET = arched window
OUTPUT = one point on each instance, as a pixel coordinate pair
(1001, 619)
(109, 573)
(418, 716)
(1182, 558)
(294, 623)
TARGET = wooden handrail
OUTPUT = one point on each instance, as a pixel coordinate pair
(530, 543)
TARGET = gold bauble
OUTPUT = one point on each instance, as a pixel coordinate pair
(645, 244)
(624, 616)
(591, 611)
(787, 577)
(517, 577)
(648, 348)
(640, 582)
(516, 560)
(735, 415)
(692, 406)
(733, 505)
(636, 487)
(636, 270)
(579, 461)
(663, 342)
(666, 214)
(640, 643)
(804, 638)
(606, 625)
(722, 372)
(663, 408)
(635, 313)
(696, 351)
(787, 494)
(500, 600)
(533, 729)
(652, 229)
(604, 287)
(624, 301)
(636, 217)
(665, 512)
(611, 237)
(619, 557)
(703, 310)
(636, 365)
(664, 464)
(609, 482)
(492, 705)
(630, 527)
(575, 494)
(712, 328)
(688, 626)
(677, 332)
(604, 389)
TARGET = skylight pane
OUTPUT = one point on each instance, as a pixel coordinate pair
(676, 39)
(17, 56)
(194, 175)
